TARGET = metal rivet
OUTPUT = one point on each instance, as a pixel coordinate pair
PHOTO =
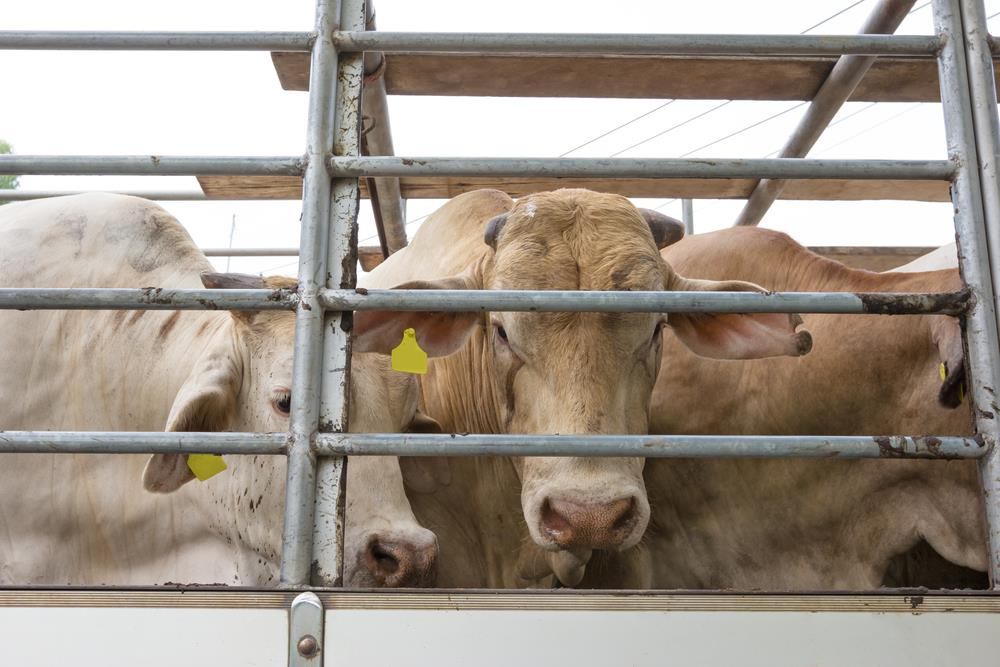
(308, 646)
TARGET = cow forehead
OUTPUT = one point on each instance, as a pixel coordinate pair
(576, 239)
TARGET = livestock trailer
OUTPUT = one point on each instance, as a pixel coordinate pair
(301, 626)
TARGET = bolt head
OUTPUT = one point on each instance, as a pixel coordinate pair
(308, 646)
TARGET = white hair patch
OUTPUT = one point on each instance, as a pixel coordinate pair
(530, 209)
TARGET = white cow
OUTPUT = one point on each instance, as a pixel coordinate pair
(92, 519)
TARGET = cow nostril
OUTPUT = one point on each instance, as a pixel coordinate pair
(552, 519)
(383, 559)
(626, 513)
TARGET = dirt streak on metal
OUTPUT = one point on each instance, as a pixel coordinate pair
(944, 303)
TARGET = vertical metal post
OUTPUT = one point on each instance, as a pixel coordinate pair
(983, 352)
(843, 79)
(342, 259)
(687, 215)
(982, 88)
(387, 196)
(300, 490)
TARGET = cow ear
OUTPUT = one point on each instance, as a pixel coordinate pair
(424, 474)
(947, 335)
(665, 230)
(438, 333)
(205, 402)
(737, 335)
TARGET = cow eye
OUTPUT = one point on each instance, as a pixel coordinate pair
(501, 332)
(282, 402)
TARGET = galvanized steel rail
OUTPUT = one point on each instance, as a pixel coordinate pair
(940, 170)
(153, 298)
(419, 444)
(636, 44)
(72, 40)
(331, 165)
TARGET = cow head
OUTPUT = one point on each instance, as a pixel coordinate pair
(592, 373)
(242, 382)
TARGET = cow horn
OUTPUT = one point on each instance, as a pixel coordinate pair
(493, 228)
(231, 281)
(666, 230)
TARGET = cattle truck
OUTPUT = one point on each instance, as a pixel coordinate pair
(295, 624)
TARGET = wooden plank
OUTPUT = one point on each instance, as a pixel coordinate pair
(911, 79)
(290, 187)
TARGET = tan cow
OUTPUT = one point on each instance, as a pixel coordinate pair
(85, 519)
(807, 524)
(566, 373)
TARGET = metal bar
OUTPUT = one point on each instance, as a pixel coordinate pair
(415, 444)
(987, 133)
(836, 89)
(154, 298)
(687, 215)
(250, 252)
(148, 165)
(979, 62)
(982, 346)
(633, 44)
(386, 195)
(139, 442)
(144, 298)
(163, 195)
(64, 40)
(949, 303)
(300, 488)
(652, 446)
(342, 260)
(941, 170)
(305, 631)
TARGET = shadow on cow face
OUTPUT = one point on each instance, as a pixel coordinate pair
(593, 373)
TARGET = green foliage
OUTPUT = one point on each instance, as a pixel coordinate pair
(7, 182)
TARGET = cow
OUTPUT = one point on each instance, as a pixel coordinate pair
(565, 373)
(131, 519)
(807, 523)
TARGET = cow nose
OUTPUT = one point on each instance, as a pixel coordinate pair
(398, 562)
(578, 526)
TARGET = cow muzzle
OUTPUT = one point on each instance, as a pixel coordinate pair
(392, 560)
(572, 525)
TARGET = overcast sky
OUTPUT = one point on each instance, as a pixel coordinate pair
(231, 104)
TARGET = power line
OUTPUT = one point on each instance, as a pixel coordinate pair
(615, 129)
(672, 128)
(830, 18)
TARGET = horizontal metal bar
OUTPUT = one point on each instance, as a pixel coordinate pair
(418, 444)
(947, 303)
(155, 41)
(250, 252)
(631, 44)
(145, 298)
(161, 195)
(941, 170)
(157, 165)
(139, 442)
(154, 298)
(653, 446)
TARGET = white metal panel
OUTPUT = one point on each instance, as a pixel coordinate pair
(151, 637)
(461, 638)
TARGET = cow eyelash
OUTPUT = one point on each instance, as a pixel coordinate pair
(282, 402)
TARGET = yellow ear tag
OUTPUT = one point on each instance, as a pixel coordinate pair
(407, 357)
(205, 465)
(942, 371)
(961, 393)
